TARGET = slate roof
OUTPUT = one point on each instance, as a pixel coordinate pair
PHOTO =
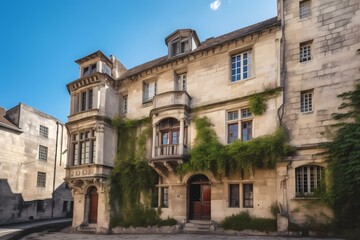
(5, 122)
(207, 44)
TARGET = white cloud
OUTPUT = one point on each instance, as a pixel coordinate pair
(215, 5)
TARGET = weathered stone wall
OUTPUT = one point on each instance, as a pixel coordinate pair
(20, 164)
(333, 28)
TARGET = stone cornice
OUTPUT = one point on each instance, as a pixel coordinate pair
(89, 79)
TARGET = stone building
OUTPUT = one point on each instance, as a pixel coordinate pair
(309, 52)
(33, 157)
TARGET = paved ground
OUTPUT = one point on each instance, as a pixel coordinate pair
(72, 236)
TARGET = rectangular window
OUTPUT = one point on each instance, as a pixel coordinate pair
(44, 131)
(246, 131)
(306, 102)
(43, 151)
(234, 195)
(90, 99)
(308, 179)
(246, 113)
(83, 101)
(125, 104)
(180, 84)
(41, 179)
(234, 115)
(89, 69)
(165, 197)
(234, 123)
(241, 66)
(232, 132)
(304, 9)
(84, 149)
(86, 100)
(248, 195)
(149, 91)
(305, 51)
(179, 46)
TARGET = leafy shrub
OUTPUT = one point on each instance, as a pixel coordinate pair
(139, 216)
(258, 104)
(242, 221)
(167, 222)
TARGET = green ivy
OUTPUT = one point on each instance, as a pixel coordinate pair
(130, 163)
(344, 164)
(209, 154)
(257, 104)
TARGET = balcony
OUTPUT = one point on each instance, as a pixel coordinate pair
(171, 99)
(169, 150)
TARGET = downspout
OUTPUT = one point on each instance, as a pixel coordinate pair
(61, 143)
(53, 189)
(281, 109)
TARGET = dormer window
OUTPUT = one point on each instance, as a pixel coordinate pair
(180, 46)
(89, 69)
(182, 41)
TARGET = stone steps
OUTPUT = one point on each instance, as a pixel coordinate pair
(198, 226)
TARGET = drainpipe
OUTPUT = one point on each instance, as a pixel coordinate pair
(53, 188)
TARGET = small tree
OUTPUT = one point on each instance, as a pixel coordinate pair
(344, 162)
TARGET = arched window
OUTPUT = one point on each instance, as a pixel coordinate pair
(308, 179)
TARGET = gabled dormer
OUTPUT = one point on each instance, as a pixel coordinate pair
(95, 62)
(182, 41)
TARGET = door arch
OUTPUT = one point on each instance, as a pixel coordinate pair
(93, 204)
(199, 197)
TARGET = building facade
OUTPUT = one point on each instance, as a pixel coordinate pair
(33, 157)
(216, 78)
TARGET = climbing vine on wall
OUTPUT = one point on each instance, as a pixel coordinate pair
(209, 154)
(258, 101)
(131, 174)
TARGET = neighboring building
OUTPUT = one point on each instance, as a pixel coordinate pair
(308, 53)
(33, 157)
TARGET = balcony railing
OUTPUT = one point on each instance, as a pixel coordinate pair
(167, 99)
(169, 150)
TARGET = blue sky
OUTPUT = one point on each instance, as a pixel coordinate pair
(41, 39)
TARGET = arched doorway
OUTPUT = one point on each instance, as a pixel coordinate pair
(93, 204)
(199, 198)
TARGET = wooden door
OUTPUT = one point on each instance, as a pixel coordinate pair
(93, 206)
(205, 202)
(200, 201)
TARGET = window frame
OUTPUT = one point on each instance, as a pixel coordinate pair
(237, 67)
(250, 197)
(43, 153)
(304, 9)
(164, 197)
(147, 97)
(178, 46)
(86, 100)
(125, 99)
(44, 131)
(181, 82)
(305, 51)
(89, 69)
(306, 101)
(41, 179)
(236, 117)
(83, 147)
(234, 195)
(308, 181)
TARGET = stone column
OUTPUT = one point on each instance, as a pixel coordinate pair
(181, 137)
(153, 141)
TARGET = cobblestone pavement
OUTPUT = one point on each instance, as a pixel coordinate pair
(72, 236)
